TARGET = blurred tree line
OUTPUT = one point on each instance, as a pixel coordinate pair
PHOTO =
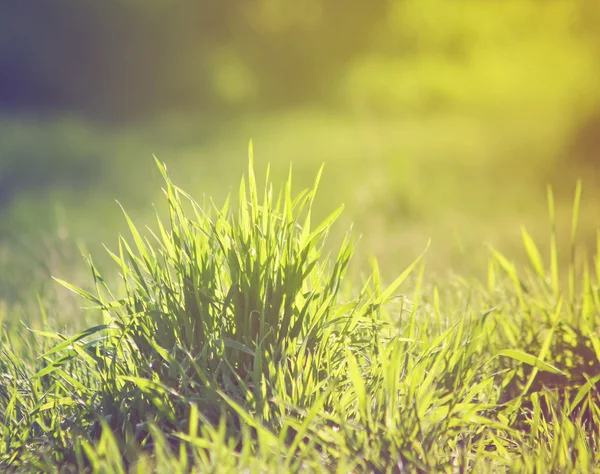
(129, 58)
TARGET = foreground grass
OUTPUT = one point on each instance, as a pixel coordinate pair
(235, 340)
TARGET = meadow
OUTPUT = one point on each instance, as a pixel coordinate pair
(258, 332)
(402, 273)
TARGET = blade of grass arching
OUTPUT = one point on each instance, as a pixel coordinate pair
(196, 207)
(574, 224)
(76, 338)
(78, 291)
(67, 401)
(385, 296)
(529, 359)
(583, 391)
(238, 346)
(53, 366)
(47, 334)
(223, 211)
(342, 262)
(318, 178)
(553, 245)
(326, 223)
(510, 269)
(139, 242)
(100, 284)
(533, 254)
(162, 167)
(84, 351)
(300, 202)
(196, 441)
(118, 260)
(81, 389)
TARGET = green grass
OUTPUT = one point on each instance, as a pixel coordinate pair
(235, 338)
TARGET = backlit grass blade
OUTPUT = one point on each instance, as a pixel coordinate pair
(389, 291)
(529, 359)
(533, 254)
(72, 340)
(326, 223)
(511, 270)
(88, 296)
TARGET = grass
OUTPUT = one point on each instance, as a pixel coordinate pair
(235, 338)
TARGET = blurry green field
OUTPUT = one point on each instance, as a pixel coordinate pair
(461, 181)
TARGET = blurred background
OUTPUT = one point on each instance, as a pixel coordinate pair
(434, 119)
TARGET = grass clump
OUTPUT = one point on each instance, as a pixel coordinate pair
(218, 310)
(234, 340)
